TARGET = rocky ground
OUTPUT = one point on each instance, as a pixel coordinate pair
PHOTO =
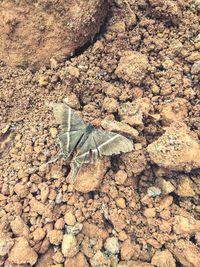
(140, 77)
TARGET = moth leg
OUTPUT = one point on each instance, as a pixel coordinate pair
(75, 169)
(59, 155)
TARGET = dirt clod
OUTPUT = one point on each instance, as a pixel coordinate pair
(132, 67)
(176, 150)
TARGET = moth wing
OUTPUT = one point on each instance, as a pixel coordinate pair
(72, 128)
(68, 118)
(69, 140)
(109, 143)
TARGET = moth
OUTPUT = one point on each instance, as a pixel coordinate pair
(82, 140)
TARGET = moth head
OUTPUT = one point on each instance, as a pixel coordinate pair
(89, 128)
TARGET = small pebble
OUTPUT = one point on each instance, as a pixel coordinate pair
(121, 203)
(53, 132)
(153, 191)
(112, 245)
(69, 218)
(69, 246)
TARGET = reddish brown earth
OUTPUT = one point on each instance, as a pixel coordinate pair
(139, 209)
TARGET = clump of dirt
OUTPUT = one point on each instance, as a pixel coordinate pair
(34, 32)
(144, 210)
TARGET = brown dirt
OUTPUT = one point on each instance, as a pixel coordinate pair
(34, 32)
(145, 211)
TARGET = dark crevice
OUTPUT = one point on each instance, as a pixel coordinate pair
(176, 199)
(193, 240)
(101, 32)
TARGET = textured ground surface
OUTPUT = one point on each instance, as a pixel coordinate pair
(143, 72)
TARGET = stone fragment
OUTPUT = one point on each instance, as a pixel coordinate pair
(154, 243)
(22, 253)
(58, 257)
(185, 187)
(43, 80)
(69, 246)
(54, 132)
(135, 162)
(137, 264)
(111, 90)
(79, 261)
(55, 236)
(87, 180)
(121, 203)
(118, 223)
(6, 243)
(69, 218)
(119, 127)
(93, 231)
(44, 192)
(19, 227)
(165, 186)
(120, 177)
(176, 149)
(21, 190)
(75, 229)
(149, 212)
(185, 252)
(163, 258)
(38, 234)
(153, 191)
(45, 244)
(59, 224)
(165, 203)
(72, 101)
(100, 259)
(186, 224)
(132, 67)
(129, 250)
(37, 206)
(195, 69)
(110, 105)
(73, 71)
(131, 113)
(174, 111)
(112, 245)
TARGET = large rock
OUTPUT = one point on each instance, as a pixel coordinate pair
(33, 32)
(163, 258)
(177, 149)
(22, 253)
(186, 253)
(69, 246)
(89, 180)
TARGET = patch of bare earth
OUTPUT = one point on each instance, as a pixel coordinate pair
(142, 74)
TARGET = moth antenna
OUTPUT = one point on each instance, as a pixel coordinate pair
(59, 155)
